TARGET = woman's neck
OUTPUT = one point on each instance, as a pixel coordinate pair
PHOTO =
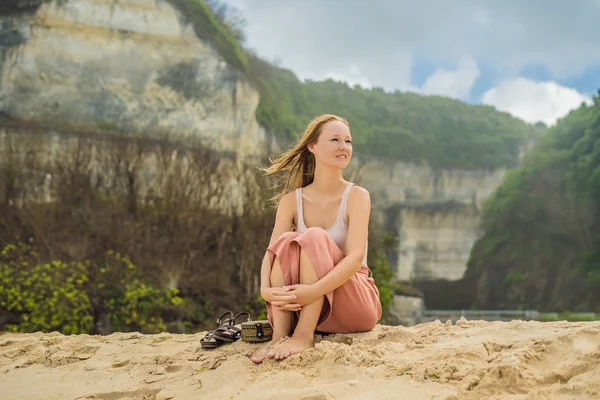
(328, 180)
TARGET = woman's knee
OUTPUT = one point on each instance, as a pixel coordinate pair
(315, 233)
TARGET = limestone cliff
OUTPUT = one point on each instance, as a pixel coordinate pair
(134, 66)
(433, 212)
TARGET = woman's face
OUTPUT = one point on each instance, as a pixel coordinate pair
(334, 145)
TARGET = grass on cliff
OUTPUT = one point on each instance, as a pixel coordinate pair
(207, 27)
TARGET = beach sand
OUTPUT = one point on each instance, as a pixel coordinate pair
(467, 360)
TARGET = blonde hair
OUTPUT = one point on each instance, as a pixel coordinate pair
(299, 162)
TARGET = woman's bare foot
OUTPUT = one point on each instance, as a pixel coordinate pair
(294, 345)
(262, 353)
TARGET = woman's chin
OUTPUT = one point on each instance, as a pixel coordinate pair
(342, 161)
(339, 163)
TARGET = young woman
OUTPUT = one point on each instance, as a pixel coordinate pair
(314, 275)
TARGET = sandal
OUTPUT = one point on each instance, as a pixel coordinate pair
(229, 332)
(209, 341)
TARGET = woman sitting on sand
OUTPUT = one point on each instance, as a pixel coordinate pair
(314, 275)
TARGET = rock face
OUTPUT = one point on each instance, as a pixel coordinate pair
(433, 212)
(133, 66)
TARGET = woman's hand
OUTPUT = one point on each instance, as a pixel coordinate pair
(304, 294)
(280, 299)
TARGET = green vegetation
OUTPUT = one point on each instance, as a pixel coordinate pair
(568, 316)
(383, 276)
(405, 126)
(207, 27)
(71, 296)
(102, 254)
(541, 247)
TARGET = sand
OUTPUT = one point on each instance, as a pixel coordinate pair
(468, 360)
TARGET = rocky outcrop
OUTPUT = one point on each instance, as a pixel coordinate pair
(134, 66)
(433, 212)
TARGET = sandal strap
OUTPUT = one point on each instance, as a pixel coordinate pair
(220, 320)
(228, 333)
(240, 314)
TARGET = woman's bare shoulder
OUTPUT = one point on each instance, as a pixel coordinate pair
(358, 199)
(288, 196)
(358, 193)
(284, 217)
(359, 207)
(288, 201)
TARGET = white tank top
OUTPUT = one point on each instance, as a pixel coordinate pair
(339, 230)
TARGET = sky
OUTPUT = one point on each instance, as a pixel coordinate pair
(536, 59)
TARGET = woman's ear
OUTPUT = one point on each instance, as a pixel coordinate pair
(311, 147)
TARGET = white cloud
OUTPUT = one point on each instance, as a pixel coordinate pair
(534, 101)
(351, 77)
(453, 83)
(481, 17)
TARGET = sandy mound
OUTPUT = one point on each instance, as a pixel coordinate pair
(468, 360)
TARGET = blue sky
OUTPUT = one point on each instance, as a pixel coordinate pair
(536, 59)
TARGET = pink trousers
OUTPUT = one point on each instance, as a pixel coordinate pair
(352, 307)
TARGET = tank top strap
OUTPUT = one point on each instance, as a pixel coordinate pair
(344, 204)
(299, 215)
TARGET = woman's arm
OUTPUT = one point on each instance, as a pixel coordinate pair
(359, 211)
(284, 222)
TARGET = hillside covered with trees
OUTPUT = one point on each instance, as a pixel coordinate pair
(541, 247)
